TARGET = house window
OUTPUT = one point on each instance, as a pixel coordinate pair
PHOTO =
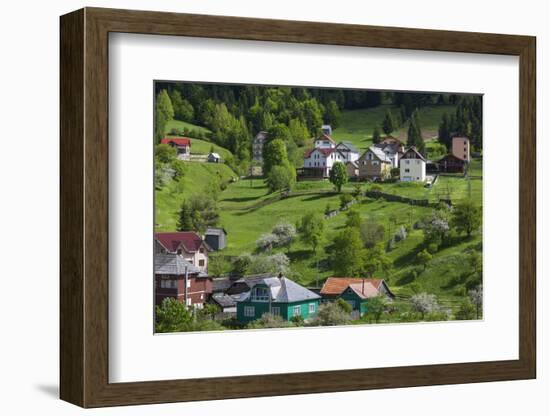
(201, 250)
(297, 310)
(168, 284)
(275, 310)
(260, 294)
(312, 308)
(249, 311)
(179, 251)
(201, 262)
(407, 170)
(375, 163)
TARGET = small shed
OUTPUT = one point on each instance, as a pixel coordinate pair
(214, 158)
(216, 238)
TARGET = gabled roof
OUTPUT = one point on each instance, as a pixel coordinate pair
(349, 145)
(225, 301)
(364, 290)
(284, 290)
(173, 264)
(451, 156)
(353, 163)
(336, 285)
(190, 240)
(214, 154)
(391, 140)
(325, 151)
(215, 231)
(378, 153)
(416, 152)
(324, 136)
(185, 141)
(221, 284)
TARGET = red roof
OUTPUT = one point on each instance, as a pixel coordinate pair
(171, 241)
(336, 285)
(323, 150)
(184, 141)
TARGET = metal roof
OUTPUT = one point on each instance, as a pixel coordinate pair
(173, 264)
(284, 290)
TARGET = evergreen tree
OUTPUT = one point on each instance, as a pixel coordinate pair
(388, 125)
(332, 114)
(376, 135)
(183, 110)
(444, 132)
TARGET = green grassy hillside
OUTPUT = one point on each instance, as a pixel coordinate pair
(197, 175)
(181, 125)
(357, 126)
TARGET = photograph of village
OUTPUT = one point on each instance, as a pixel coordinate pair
(287, 207)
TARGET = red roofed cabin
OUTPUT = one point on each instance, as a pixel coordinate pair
(177, 278)
(355, 291)
(187, 244)
(335, 286)
(182, 145)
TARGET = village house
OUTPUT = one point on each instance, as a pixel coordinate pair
(393, 148)
(258, 144)
(326, 129)
(319, 161)
(278, 296)
(460, 148)
(352, 169)
(182, 145)
(216, 238)
(214, 158)
(451, 164)
(187, 244)
(225, 303)
(374, 164)
(324, 141)
(354, 290)
(412, 166)
(179, 279)
(348, 150)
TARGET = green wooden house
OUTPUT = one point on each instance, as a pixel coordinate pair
(358, 295)
(278, 296)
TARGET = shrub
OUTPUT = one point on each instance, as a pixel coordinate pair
(330, 314)
(346, 307)
(269, 321)
(345, 199)
(424, 303)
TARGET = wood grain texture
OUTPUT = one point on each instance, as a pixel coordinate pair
(84, 207)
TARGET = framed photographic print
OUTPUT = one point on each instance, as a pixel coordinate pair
(278, 192)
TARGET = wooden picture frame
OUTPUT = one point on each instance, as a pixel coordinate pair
(84, 207)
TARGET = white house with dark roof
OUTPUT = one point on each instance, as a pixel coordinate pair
(349, 150)
(412, 166)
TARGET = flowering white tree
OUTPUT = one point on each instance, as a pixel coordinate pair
(424, 303)
(476, 296)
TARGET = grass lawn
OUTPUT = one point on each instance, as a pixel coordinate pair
(202, 147)
(197, 175)
(177, 124)
(357, 126)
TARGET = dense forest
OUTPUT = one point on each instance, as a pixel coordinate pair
(235, 113)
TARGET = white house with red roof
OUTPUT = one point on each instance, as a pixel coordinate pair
(181, 144)
(187, 244)
(322, 159)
